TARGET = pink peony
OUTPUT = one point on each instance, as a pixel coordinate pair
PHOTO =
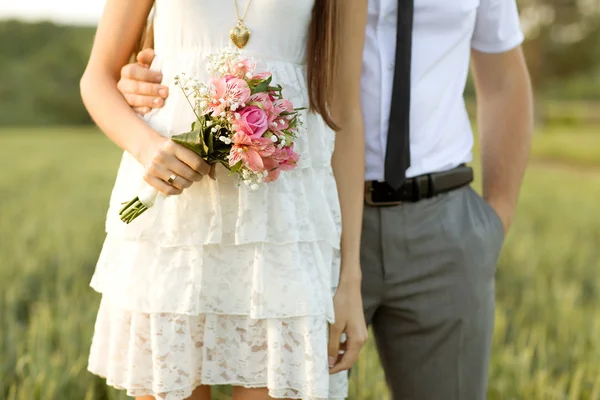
(251, 152)
(253, 122)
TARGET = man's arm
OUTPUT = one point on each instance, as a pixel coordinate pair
(505, 124)
(140, 86)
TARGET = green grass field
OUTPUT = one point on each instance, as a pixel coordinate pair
(54, 187)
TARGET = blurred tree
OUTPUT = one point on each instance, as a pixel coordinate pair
(41, 65)
(562, 38)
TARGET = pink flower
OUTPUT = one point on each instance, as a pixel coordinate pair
(228, 91)
(261, 76)
(284, 159)
(251, 152)
(243, 67)
(217, 97)
(253, 122)
(283, 105)
(289, 158)
(263, 101)
(238, 91)
(281, 122)
(220, 85)
(272, 167)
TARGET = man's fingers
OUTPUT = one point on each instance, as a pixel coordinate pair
(131, 86)
(142, 110)
(139, 72)
(146, 56)
(136, 100)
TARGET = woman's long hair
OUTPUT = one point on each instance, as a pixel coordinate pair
(322, 56)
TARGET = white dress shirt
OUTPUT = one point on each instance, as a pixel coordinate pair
(444, 31)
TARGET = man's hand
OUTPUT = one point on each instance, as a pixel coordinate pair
(505, 212)
(140, 86)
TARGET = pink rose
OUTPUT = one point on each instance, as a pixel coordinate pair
(253, 122)
(263, 101)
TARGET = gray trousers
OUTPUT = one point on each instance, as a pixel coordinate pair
(428, 293)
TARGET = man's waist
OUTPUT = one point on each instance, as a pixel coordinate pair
(414, 189)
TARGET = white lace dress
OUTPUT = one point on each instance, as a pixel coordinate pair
(224, 285)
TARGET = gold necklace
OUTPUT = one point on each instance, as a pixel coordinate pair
(240, 34)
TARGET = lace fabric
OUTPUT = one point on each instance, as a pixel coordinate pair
(168, 355)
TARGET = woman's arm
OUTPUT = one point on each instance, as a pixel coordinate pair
(349, 167)
(118, 31)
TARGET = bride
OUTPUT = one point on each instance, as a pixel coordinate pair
(218, 284)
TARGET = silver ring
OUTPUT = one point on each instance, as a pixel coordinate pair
(172, 179)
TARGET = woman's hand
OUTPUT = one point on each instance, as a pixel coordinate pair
(164, 158)
(349, 320)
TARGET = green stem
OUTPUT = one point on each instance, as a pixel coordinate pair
(126, 206)
(132, 210)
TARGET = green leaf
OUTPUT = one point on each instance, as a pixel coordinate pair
(236, 167)
(192, 140)
(211, 139)
(263, 86)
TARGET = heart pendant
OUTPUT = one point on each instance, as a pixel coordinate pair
(239, 35)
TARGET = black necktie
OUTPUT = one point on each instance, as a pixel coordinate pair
(397, 155)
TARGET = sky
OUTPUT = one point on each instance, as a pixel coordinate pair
(62, 11)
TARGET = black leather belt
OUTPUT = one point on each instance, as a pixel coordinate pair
(380, 194)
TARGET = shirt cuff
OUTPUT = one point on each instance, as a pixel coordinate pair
(499, 47)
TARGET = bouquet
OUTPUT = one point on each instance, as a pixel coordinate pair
(242, 122)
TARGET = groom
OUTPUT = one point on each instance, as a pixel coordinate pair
(430, 243)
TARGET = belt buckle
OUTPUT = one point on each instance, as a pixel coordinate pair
(369, 198)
